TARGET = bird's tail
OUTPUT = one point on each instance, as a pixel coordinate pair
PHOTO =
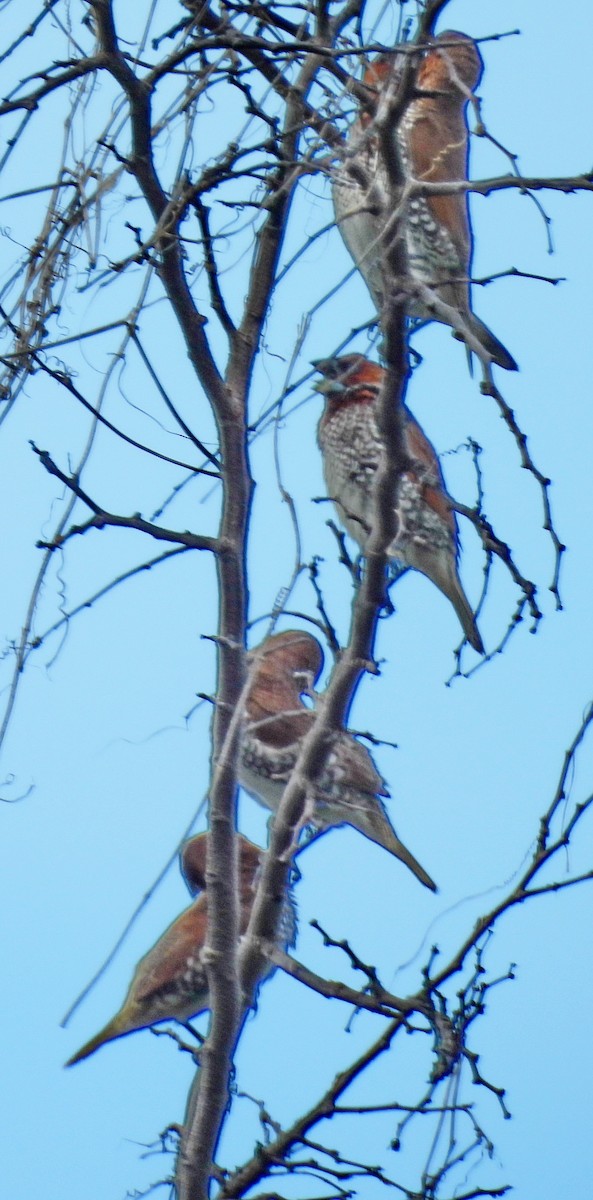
(377, 826)
(467, 620)
(112, 1030)
(440, 567)
(494, 351)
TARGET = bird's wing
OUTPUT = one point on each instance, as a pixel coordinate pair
(438, 149)
(430, 475)
(171, 957)
(356, 766)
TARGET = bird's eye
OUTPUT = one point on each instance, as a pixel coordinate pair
(304, 679)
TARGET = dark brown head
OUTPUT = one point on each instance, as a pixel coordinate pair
(346, 372)
(350, 380)
(193, 863)
(452, 63)
(290, 660)
(286, 665)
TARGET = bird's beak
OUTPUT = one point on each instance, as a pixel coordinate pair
(326, 386)
(329, 387)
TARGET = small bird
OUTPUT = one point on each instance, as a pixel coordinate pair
(348, 789)
(170, 982)
(351, 445)
(431, 144)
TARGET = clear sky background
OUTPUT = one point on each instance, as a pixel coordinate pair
(115, 771)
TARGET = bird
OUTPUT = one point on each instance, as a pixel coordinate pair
(170, 982)
(431, 144)
(348, 789)
(426, 529)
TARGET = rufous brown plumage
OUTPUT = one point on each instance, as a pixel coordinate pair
(170, 982)
(348, 789)
(426, 530)
(430, 142)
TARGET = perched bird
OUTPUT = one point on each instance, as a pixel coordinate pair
(348, 789)
(431, 143)
(351, 445)
(170, 982)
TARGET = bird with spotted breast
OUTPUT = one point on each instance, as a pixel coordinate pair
(426, 529)
(170, 982)
(431, 143)
(348, 789)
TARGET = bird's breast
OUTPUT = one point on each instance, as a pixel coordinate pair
(264, 772)
(351, 452)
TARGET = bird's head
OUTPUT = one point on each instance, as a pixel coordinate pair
(193, 863)
(452, 64)
(345, 372)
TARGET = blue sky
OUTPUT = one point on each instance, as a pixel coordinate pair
(117, 773)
